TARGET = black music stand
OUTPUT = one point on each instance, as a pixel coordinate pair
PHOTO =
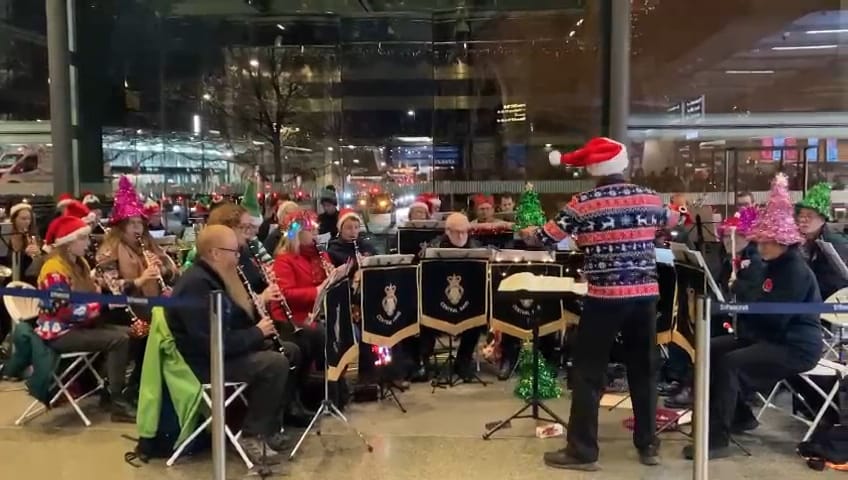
(534, 403)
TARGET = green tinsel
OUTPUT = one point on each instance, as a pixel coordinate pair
(549, 386)
(529, 211)
(817, 199)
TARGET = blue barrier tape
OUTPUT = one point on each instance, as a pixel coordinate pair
(79, 297)
(771, 308)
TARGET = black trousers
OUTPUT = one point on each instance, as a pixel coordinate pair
(310, 346)
(600, 323)
(111, 340)
(759, 364)
(511, 347)
(266, 373)
(468, 341)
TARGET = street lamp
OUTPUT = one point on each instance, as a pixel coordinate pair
(254, 63)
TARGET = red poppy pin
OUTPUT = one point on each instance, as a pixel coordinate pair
(767, 285)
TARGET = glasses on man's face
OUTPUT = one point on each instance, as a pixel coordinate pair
(458, 232)
(246, 228)
(234, 251)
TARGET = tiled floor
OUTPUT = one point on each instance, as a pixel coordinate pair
(439, 438)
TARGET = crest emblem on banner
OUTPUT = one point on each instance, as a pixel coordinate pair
(454, 290)
(526, 303)
(390, 301)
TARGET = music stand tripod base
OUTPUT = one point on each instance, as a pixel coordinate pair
(534, 403)
(447, 377)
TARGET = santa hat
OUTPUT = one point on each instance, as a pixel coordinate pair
(421, 205)
(431, 200)
(64, 199)
(284, 208)
(65, 229)
(346, 214)
(741, 222)
(600, 156)
(776, 221)
(91, 200)
(480, 200)
(251, 204)
(23, 205)
(76, 209)
(127, 203)
(151, 207)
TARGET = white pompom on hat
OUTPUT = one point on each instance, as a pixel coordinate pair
(600, 156)
(77, 209)
(346, 214)
(19, 207)
(64, 199)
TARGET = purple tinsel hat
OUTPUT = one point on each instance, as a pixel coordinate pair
(777, 220)
(127, 203)
(742, 221)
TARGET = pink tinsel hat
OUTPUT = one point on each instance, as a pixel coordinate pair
(127, 203)
(742, 221)
(776, 221)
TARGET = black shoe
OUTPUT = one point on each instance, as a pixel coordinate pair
(465, 371)
(506, 370)
(122, 411)
(715, 452)
(681, 400)
(297, 421)
(649, 456)
(742, 426)
(297, 408)
(562, 459)
(278, 443)
(669, 389)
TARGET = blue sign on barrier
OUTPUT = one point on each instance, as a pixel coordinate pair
(78, 297)
(771, 308)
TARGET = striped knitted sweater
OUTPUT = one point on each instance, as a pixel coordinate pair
(615, 225)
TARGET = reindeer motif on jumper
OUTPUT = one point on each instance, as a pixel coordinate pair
(454, 293)
(390, 303)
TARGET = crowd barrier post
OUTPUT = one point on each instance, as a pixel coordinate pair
(216, 348)
(702, 388)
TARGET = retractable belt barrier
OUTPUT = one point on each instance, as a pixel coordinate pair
(79, 297)
(771, 308)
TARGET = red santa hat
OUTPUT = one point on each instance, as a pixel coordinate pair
(346, 214)
(64, 200)
(431, 200)
(479, 200)
(421, 204)
(18, 207)
(75, 208)
(151, 207)
(65, 229)
(600, 156)
(89, 198)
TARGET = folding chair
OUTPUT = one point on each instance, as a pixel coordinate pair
(833, 336)
(20, 309)
(80, 363)
(237, 392)
(824, 368)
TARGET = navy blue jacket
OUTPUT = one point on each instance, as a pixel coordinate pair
(788, 279)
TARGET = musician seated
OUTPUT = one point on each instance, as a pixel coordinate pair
(455, 236)
(284, 209)
(248, 356)
(813, 213)
(343, 248)
(23, 248)
(132, 263)
(768, 348)
(68, 327)
(484, 208)
(419, 210)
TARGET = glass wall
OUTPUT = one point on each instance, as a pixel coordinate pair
(726, 93)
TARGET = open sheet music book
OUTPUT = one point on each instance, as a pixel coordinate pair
(542, 283)
(338, 274)
(694, 258)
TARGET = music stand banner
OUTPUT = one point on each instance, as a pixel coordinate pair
(412, 240)
(691, 282)
(342, 349)
(454, 294)
(389, 304)
(514, 317)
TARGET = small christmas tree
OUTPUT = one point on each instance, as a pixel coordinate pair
(549, 386)
(529, 212)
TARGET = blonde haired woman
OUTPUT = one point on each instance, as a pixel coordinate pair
(68, 327)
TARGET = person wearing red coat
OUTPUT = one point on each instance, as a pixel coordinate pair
(299, 270)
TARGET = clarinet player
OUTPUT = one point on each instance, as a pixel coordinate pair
(615, 224)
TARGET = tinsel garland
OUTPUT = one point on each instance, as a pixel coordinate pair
(549, 386)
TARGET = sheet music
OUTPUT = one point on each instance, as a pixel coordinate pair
(338, 274)
(665, 255)
(695, 258)
(833, 257)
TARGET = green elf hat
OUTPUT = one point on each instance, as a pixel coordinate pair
(251, 204)
(817, 199)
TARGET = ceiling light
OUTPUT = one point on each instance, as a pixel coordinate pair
(749, 72)
(280, 26)
(834, 30)
(806, 47)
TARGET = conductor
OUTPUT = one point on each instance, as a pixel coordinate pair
(614, 225)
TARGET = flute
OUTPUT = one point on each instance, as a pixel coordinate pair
(260, 307)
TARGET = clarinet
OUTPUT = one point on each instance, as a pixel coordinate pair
(138, 327)
(260, 307)
(271, 279)
(328, 267)
(165, 289)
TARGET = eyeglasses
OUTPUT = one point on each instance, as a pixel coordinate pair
(246, 228)
(234, 251)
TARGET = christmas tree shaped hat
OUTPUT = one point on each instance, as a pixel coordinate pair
(529, 211)
(251, 203)
(817, 200)
(776, 222)
(127, 202)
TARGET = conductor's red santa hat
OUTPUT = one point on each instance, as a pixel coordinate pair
(64, 199)
(600, 157)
